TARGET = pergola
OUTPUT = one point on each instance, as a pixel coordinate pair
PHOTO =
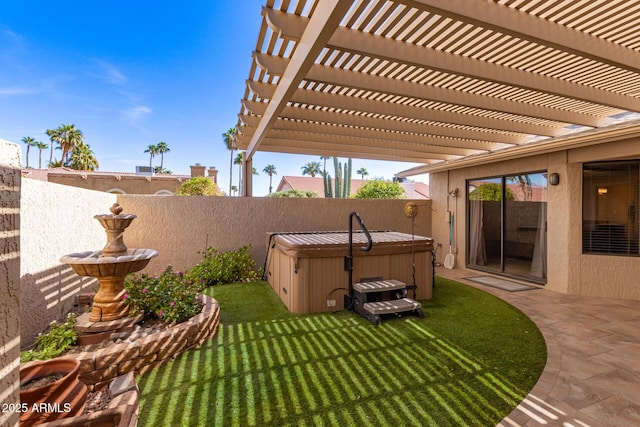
(446, 83)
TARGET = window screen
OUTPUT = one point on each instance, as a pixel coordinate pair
(609, 210)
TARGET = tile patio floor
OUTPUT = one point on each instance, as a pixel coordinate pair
(592, 376)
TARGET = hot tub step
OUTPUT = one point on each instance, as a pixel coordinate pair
(392, 306)
(379, 286)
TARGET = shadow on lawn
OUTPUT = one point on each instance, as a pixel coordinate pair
(328, 370)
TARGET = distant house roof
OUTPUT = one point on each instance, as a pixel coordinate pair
(414, 190)
(43, 174)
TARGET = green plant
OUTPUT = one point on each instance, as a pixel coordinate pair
(199, 186)
(169, 297)
(490, 192)
(380, 190)
(293, 193)
(218, 268)
(60, 338)
(342, 182)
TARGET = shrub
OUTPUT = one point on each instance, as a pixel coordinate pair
(169, 297)
(218, 268)
(199, 186)
(295, 194)
(60, 338)
(490, 192)
(380, 190)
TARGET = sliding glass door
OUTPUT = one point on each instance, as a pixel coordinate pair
(506, 225)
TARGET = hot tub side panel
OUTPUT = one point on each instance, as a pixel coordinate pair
(304, 284)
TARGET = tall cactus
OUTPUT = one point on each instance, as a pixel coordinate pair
(342, 185)
(338, 168)
(347, 179)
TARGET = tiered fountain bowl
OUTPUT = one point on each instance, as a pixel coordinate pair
(110, 266)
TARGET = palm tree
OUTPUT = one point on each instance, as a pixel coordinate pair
(234, 189)
(270, 170)
(324, 164)
(229, 138)
(311, 168)
(362, 172)
(152, 150)
(67, 137)
(41, 146)
(83, 158)
(162, 148)
(238, 161)
(30, 143)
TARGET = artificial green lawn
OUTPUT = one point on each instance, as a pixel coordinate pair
(470, 361)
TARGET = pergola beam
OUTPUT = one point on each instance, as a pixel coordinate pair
(323, 133)
(365, 81)
(317, 32)
(424, 57)
(407, 111)
(503, 19)
(398, 127)
(322, 149)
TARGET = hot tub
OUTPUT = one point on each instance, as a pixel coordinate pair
(307, 271)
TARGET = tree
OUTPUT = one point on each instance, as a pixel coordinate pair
(234, 189)
(199, 186)
(83, 158)
(158, 169)
(490, 192)
(362, 172)
(270, 170)
(229, 139)
(153, 151)
(162, 148)
(294, 193)
(380, 190)
(312, 168)
(67, 137)
(238, 161)
(30, 143)
(324, 164)
(41, 146)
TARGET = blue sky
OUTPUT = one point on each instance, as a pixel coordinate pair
(133, 73)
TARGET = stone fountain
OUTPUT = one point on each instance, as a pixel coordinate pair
(110, 266)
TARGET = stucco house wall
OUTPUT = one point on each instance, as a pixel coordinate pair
(10, 158)
(55, 220)
(568, 270)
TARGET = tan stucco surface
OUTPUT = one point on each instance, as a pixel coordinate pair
(55, 220)
(180, 227)
(568, 270)
(129, 184)
(10, 158)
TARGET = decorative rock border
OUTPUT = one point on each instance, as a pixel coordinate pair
(99, 368)
(121, 412)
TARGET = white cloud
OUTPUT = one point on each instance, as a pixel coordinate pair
(136, 113)
(17, 90)
(110, 74)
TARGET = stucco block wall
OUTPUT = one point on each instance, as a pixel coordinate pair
(55, 220)
(568, 270)
(180, 227)
(125, 183)
(10, 158)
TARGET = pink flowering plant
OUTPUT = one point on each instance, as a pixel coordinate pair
(170, 297)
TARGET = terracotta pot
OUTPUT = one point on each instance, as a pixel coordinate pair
(62, 398)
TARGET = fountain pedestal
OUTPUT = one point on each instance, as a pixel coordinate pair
(110, 266)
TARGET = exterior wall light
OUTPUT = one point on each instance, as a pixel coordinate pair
(554, 178)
